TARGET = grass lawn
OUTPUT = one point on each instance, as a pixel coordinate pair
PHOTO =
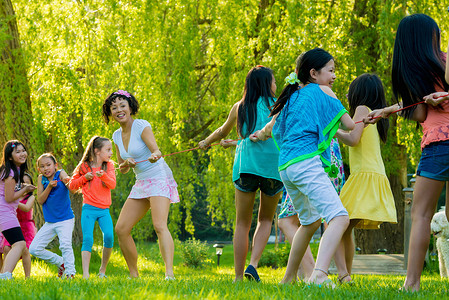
(209, 282)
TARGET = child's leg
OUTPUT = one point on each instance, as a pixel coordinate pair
(132, 211)
(43, 237)
(26, 262)
(289, 227)
(107, 227)
(425, 197)
(300, 244)
(344, 254)
(267, 208)
(328, 245)
(159, 214)
(88, 218)
(64, 230)
(13, 256)
(244, 203)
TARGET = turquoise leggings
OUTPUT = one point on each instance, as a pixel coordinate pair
(89, 215)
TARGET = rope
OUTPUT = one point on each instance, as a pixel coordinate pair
(174, 153)
(196, 148)
(404, 108)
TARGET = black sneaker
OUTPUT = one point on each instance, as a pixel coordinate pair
(251, 273)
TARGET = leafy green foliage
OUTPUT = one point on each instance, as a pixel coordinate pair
(194, 253)
(276, 257)
(186, 62)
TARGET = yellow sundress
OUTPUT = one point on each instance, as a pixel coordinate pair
(367, 194)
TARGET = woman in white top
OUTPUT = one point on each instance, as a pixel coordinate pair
(155, 186)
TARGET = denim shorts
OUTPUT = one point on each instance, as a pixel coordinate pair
(434, 162)
(249, 183)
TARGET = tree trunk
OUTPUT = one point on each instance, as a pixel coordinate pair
(16, 121)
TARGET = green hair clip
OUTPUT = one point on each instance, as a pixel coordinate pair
(292, 78)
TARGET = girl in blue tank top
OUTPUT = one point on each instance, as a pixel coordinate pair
(53, 195)
(255, 167)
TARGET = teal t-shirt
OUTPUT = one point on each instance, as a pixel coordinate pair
(306, 125)
(259, 158)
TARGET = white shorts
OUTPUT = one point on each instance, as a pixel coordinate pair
(311, 191)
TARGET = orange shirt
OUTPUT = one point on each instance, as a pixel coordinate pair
(95, 193)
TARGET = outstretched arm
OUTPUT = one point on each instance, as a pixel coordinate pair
(265, 133)
(352, 138)
(223, 130)
(419, 114)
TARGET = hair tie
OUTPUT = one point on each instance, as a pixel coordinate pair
(123, 93)
(260, 66)
(13, 145)
(292, 78)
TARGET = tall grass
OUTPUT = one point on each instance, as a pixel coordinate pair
(210, 282)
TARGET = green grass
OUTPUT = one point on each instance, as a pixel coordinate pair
(210, 282)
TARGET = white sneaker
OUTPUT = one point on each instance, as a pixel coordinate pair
(6, 276)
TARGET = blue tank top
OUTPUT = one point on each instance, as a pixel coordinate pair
(259, 158)
(57, 207)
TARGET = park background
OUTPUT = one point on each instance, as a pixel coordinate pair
(186, 62)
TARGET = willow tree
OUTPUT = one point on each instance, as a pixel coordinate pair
(186, 62)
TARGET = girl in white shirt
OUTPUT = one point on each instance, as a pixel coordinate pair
(155, 186)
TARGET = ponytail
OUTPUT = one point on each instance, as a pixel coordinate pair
(283, 98)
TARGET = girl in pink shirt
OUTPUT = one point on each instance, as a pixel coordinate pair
(95, 176)
(12, 188)
(418, 71)
(25, 217)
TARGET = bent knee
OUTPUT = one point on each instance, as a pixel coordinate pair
(160, 227)
(108, 240)
(122, 229)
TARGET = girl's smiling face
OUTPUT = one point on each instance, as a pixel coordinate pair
(19, 155)
(47, 167)
(325, 76)
(120, 110)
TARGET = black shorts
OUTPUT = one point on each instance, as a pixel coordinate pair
(13, 235)
(249, 183)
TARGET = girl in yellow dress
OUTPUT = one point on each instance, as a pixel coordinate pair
(367, 194)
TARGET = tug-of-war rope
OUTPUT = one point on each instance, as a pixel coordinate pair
(196, 148)
(393, 112)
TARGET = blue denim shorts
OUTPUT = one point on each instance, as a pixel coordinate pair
(249, 183)
(434, 162)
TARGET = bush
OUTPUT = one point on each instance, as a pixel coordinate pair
(194, 253)
(275, 258)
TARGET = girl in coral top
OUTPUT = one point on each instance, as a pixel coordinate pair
(95, 176)
(418, 37)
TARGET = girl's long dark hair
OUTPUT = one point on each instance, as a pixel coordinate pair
(7, 163)
(313, 59)
(367, 89)
(257, 84)
(418, 67)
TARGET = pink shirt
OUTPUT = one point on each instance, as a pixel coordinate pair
(8, 214)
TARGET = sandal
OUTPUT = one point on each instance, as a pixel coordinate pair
(342, 281)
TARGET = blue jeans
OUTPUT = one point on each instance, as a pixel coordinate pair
(434, 162)
(89, 215)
